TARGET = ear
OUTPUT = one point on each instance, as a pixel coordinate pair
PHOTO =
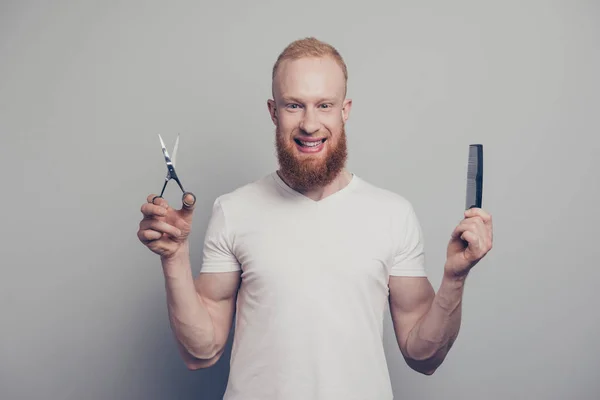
(346, 109)
(272, 110)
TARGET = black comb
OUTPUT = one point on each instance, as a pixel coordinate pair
(475, 176)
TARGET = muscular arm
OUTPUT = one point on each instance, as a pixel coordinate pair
(200, 311)
(426, 323)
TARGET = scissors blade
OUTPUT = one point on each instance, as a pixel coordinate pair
(174, 154)
(164, 149)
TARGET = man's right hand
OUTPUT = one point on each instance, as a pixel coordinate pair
(163, 229)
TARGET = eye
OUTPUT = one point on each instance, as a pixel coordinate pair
(293, 106)
(326, 106)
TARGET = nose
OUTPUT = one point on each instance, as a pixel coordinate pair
(310, 122)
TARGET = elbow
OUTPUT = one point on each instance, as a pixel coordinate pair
(192, 366)
(195, 365)
(194, 362)
(426, 371)
(425, 367)
(427, 363)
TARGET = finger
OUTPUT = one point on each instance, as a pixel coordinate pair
(476, 239)
(473, 212)
(479, 226)
(473, 215)
(161, 226)
(189, 203)
(148, 235)
(159, 201)
(464, 225)
(189, 200)
(475, 220)
(160, 247)
(472, 239)
(460, 228)
(153, 210)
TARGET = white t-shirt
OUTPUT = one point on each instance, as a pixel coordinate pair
(309, 320)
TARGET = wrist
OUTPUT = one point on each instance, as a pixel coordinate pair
(451, 275)
(180, 256)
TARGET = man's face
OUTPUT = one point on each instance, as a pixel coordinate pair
(309, 97)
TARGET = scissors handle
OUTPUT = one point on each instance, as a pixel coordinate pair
(163, 189)
(160, 196)
(183, 199)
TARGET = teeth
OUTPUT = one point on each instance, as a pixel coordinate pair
(311, 144)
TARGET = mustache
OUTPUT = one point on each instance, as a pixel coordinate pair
(301, 132)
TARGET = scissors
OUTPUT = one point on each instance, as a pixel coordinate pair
(171, 174)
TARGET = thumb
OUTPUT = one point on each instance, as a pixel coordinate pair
(189, 203)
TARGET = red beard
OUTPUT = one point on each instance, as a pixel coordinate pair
(304, 172)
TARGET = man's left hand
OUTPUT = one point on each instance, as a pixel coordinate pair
(469, 243)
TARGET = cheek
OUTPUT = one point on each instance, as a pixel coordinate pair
(288, 122)
(335, 130)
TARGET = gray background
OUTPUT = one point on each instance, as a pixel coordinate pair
(85, 87)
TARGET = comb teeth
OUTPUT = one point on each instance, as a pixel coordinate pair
(472, 166)
(474, 176)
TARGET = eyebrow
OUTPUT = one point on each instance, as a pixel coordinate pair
(321, 100)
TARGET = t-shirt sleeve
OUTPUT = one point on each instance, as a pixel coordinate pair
(217, 254)
(409, 259)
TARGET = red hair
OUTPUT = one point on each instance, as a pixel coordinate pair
(310, 47)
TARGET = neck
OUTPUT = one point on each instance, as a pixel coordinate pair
(319, 193)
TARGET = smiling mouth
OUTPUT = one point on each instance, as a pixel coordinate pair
(310, 144)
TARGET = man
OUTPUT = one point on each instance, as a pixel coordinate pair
(307, 257)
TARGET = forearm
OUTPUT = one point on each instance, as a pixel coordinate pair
(189, 317)
(432, 337)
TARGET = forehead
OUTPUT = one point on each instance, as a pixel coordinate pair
(309, 77)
